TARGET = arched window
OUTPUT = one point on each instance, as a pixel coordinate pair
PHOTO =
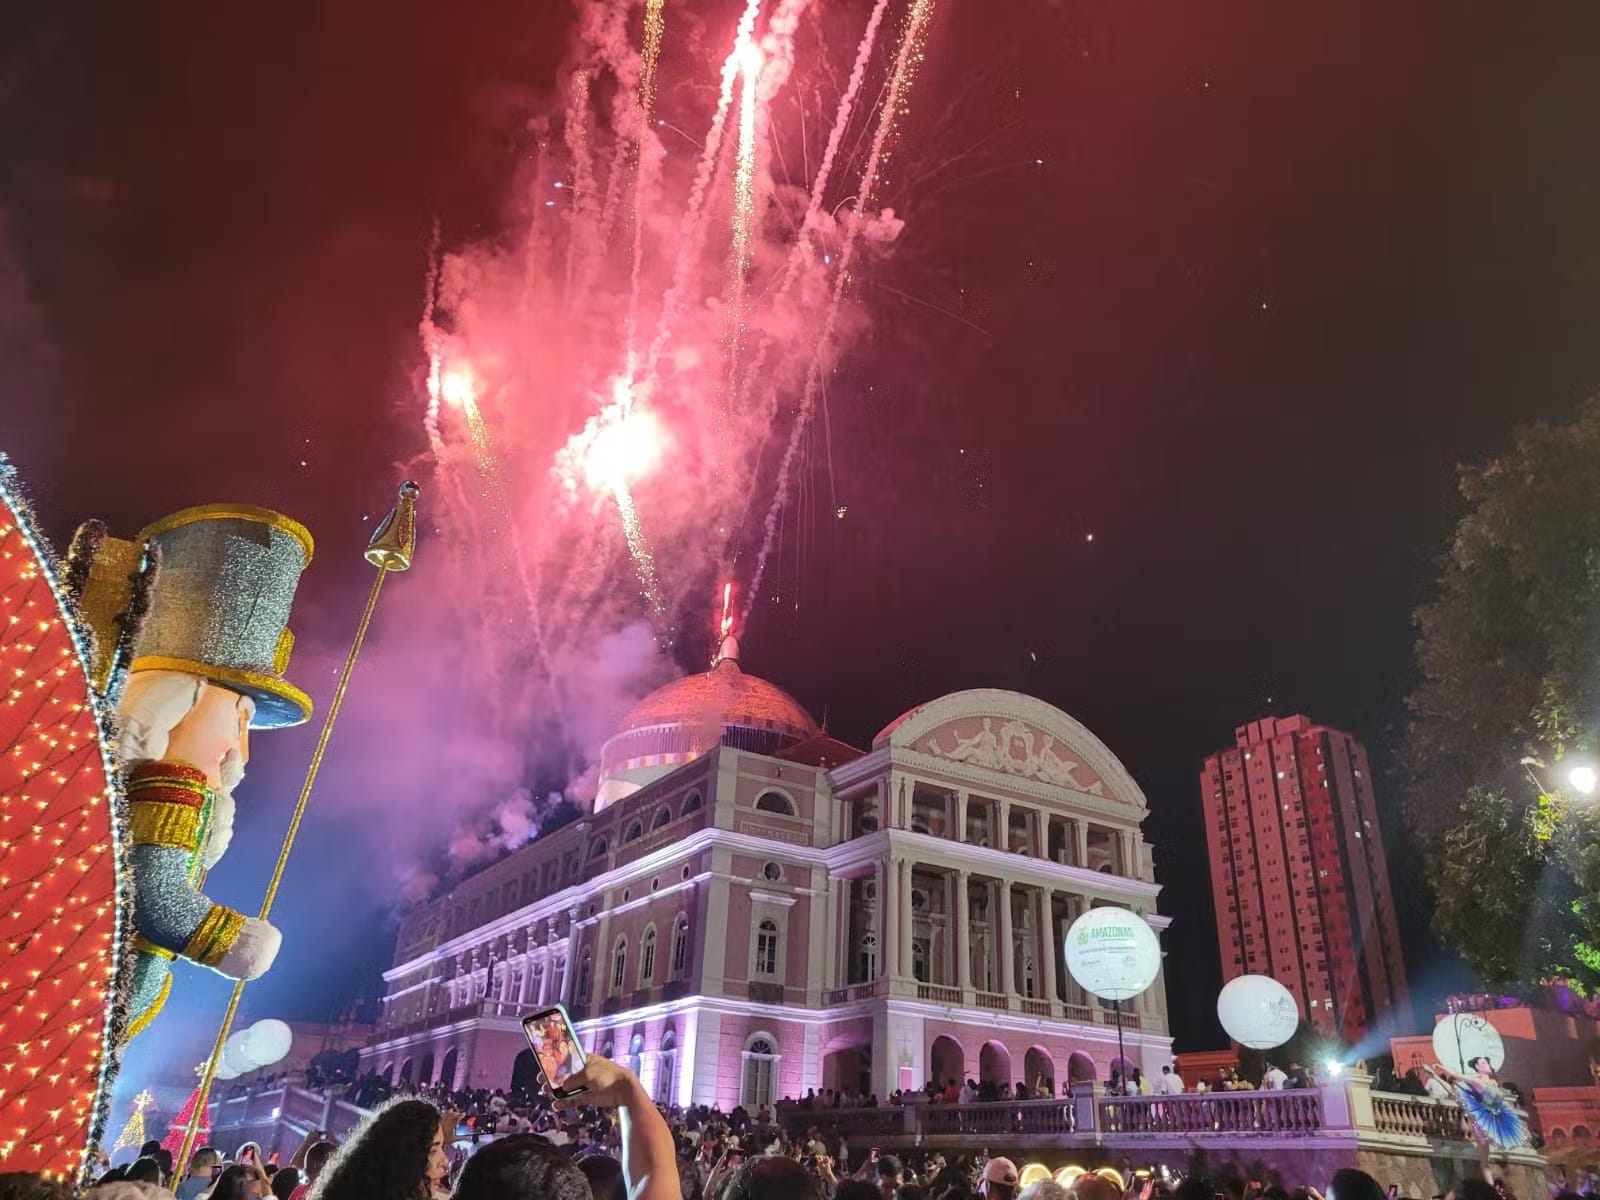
(663, 817)
(647, 958)
(425, 1071)
(599, 849)
(405, 1071)
(619, 962)
(636, 1054)
(869, 957)
(760, 1071)
(680, 946)
(767, 949)
(693, 803)
(774, 802)
(1580, 1133)
(666, 1067)
(585, 977)
(447, 1069)
(919, 960)
(633, 832)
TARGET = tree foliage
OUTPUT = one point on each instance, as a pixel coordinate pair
(1508, 653)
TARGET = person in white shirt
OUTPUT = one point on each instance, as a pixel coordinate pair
(1274, 1079)
(1171, 1082)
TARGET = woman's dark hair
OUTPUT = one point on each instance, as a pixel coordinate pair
(284, 1182)
(523, 1166)
(230, 1184)
(604, 1174)
(26, 1185)
(144, 1170)
(854, 1189)
(386, 1158)
(772, 1178)
(690, 1185)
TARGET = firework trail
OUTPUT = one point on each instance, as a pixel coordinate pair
(694, 224)
(907, 60)
(655, 27)
(582, 387)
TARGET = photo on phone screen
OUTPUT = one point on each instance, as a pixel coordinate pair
(555, 1048)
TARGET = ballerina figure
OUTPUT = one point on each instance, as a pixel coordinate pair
(1495, 1120)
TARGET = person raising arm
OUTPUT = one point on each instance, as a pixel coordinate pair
(649, 1157)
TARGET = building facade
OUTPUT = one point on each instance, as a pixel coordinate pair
(755, 909)
(1298, 874)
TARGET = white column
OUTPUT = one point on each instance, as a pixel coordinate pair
(961, 815)
(1008, 971)
(886, 910)
(1080, 831)
(1047, 934)
(963, 934)
(1003, 842)
(907, 929)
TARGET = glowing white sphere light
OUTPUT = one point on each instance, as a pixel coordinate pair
(1112, 953)
(1460, 1038)
(236, 1055)
(268, 1041)
(1257, 1011)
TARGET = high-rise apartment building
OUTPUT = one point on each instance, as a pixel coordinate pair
(1299, 877)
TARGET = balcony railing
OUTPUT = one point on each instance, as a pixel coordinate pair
(856, 991)
(1297, 1111)
(994, 1000)
(1417, 1116)
(1021, 1117)
(1078, 1012)
(1035, 1008)
(938, 993)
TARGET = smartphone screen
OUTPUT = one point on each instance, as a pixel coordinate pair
(555, 1048)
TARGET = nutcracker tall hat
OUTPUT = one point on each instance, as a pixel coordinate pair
(207, 591)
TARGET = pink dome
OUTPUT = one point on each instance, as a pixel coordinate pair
(684, 719)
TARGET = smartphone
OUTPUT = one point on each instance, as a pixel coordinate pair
(874, 1154)
(1394, 1190)
(555, 1049)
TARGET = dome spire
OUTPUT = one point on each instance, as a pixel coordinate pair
(728, 650)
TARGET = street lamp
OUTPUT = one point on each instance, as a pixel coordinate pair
(1581, 774)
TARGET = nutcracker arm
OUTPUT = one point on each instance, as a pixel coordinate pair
(170, 807)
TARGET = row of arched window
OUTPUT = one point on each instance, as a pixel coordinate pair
(617, 972)
(768, 802)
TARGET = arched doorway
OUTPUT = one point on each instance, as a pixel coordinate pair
(387, 1074)
(847, 1069)
(405, 1071)
(994, 1065)
(946, 1061)
(1122, 1068)
(1039, 1070)
(1080, 1068)
(447, 1071)
(525, 1074)
(425, 1071)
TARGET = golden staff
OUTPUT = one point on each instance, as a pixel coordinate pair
(391, 549)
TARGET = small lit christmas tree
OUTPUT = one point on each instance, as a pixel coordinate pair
(133, 1132)
(180, 1123)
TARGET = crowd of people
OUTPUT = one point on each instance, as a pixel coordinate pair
(613, 1142)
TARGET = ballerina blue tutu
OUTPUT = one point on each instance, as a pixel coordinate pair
(1490, 1110)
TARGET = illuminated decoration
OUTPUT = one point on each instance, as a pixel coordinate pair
(392, 548)
(60, 887)
(1459, 1038)
(1067, 1174)
(1113, 953)
(173, 1142)
(268, 1041)
(133, 1132)
(1034, 1172)
(1257, 1011)
(1114, 1176)
(206, 663)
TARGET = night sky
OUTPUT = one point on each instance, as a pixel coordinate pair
(1229, 287)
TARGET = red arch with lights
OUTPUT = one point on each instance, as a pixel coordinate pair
(59, 874)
